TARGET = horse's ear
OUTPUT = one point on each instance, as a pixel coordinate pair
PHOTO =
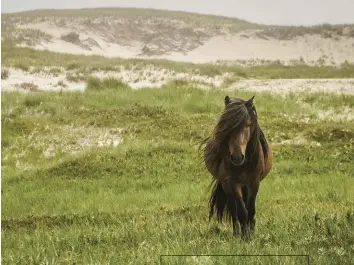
(250, 102)
(227, 100)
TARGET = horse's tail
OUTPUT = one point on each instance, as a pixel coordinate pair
(217, 201)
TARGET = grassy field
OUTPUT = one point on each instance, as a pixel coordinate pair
(66, 200)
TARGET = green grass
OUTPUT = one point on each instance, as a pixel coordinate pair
(24, 57)
(148, 197)
(94, 83)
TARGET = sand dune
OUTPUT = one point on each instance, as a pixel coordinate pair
(154, 38)
(176, 37)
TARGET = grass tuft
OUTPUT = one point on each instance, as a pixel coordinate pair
(71, 37)
(94, 83)
(4, 73)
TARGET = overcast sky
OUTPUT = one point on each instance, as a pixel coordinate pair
(286, 12)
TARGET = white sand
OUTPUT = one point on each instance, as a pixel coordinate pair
(44, 81)
(106, 48)
(310, 48)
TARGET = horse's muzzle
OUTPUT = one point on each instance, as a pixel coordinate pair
(237, 160)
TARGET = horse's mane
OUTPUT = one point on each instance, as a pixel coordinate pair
(234, 118)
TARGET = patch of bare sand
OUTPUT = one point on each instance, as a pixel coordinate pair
(95, 44)
(310, 48)
(19, 80)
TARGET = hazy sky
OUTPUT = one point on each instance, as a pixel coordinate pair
(287, 12)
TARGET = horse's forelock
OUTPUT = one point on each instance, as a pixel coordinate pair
(234, 117)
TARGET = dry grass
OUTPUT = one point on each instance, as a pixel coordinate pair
(29, 86)
(292, 32)
(71, 37)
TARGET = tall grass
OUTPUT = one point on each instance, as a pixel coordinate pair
(148, 196)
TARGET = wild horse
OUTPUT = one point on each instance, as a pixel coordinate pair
(238, 156)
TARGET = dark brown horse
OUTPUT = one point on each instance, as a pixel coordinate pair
(238, 157)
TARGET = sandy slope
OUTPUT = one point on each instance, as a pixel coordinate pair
(104, 47)
(245, 45)
(310, 48)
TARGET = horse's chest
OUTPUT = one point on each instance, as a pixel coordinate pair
(244, 176)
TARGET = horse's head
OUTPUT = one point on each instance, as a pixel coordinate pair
(241, 135)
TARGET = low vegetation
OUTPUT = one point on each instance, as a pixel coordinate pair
(291, 32)
(94, 83)
(28, 86)
(71, 37)
(24, 57)
(4, 73)
(68, 199)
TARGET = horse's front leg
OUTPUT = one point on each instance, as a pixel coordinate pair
(251, 206)
(242, 212)
(231, 205)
